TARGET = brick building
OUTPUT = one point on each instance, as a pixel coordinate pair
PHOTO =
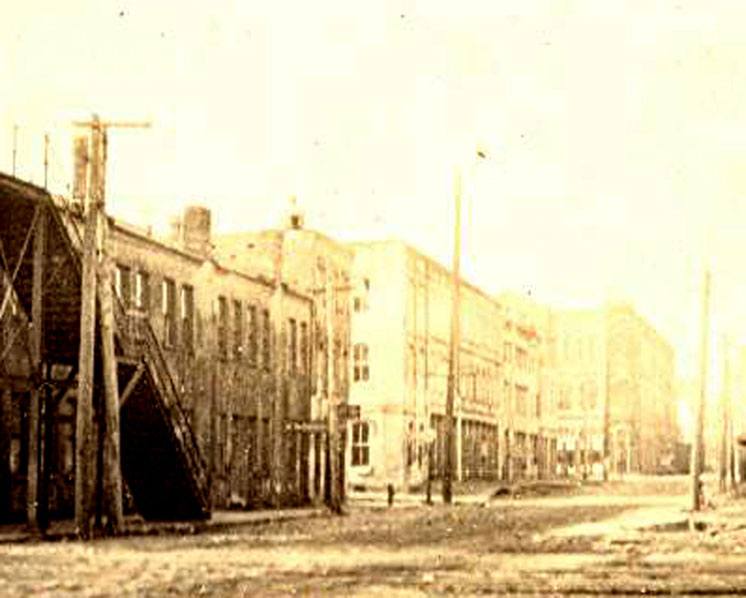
(238, 351)
(226, 332)
(612, 358)
(319, 268)
(530, 432)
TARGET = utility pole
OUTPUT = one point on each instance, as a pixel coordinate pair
(97, 281)
(278, 408)
(697, 455)
(607, 402)
(725, 414)
(453, 356)
(335, 503)
(35, 512)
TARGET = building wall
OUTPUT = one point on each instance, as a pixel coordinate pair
(378, 333)
(406, 329)
(319, 268)
(579, 372)
(612, 350)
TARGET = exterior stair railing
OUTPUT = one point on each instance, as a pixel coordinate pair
(136, 338)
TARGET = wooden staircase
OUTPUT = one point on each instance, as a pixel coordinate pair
(161, 461)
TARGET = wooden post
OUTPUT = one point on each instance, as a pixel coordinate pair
(725, 424)
(6, 422)
(335, 502)
(277, 461)
(697, 454)
(312, 467)
(607, 406)
(112, 468)
(85, 439)
(34, 428)
(450, 447)
(47, 453)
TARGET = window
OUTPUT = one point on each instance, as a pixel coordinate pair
(265, 340)
(142, 291)
(360, 447)
(293, 346)
(521, 358)
(360, 300)
(168, 307)
(122, 284)
(304, 347)
(360, 371)
(521, 399)
(187, 317)
(253, 345)
(237, 329)
(222, 327)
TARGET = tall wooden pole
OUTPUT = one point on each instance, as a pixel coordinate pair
(607, 401)
(33, 479)
(335, 503)
(278, 410)
(96, 280)
(698, 441)
(112, 467)
(85, 436)
(453, 354)
(725, 424)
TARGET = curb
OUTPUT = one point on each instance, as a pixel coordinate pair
(181, 528)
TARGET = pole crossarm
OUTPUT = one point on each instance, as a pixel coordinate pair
(113, 124)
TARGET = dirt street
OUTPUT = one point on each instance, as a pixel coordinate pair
(584, 544)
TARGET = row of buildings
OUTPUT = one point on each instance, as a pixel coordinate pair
(266, 332)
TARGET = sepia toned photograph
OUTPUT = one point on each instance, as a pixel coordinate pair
(386, 298)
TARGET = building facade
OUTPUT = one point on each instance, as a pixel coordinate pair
(239, 348)
(400, 336)
(319, 268)
(530, 434)
(613, 379)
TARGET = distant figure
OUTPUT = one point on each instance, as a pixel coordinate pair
(390, 490)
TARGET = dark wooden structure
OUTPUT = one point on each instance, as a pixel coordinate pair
(163, 468)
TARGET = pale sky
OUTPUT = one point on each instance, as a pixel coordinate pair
(615, 131)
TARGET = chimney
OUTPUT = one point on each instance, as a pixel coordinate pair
(196, 230)
(294, 217)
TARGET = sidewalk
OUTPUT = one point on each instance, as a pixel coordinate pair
(135, 526)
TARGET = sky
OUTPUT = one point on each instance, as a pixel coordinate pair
(613, 132)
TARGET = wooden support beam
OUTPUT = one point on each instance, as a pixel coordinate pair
(6, 423)
(64, 386)
(277, 412)
(111, 503)
(85, 436)
(131, 384)
(35, 347)
(47, 455)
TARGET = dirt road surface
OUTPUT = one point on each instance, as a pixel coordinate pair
(583, 544)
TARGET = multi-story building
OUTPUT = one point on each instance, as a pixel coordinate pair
(319, 268)
(232, 350)
(613, 387)
(401, 325)
(578, 373)
(530, 428)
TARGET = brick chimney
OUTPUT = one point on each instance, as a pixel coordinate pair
(196, 230)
